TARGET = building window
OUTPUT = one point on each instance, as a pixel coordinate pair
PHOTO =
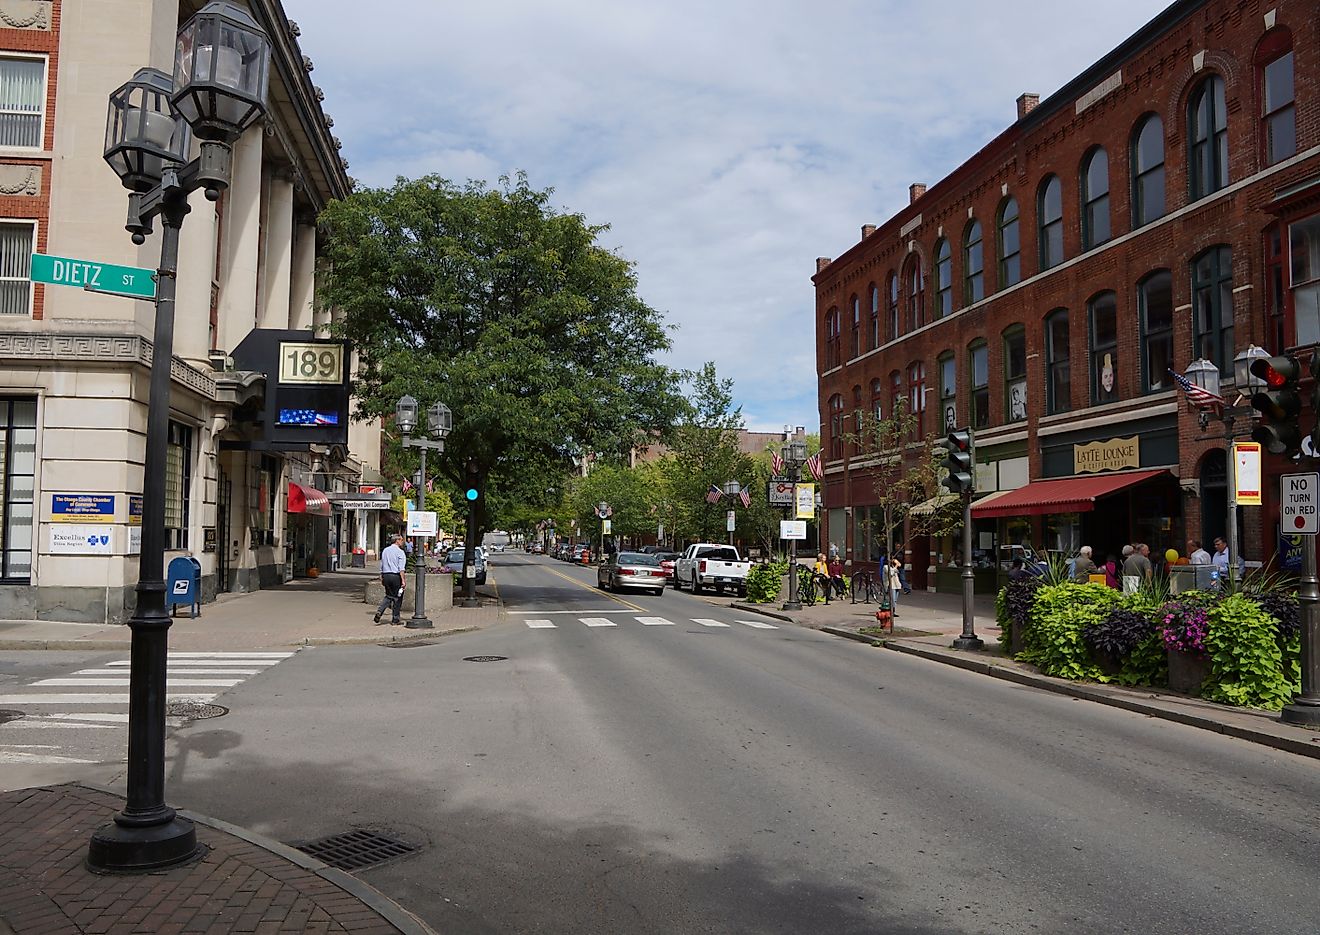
(973, 264)
(1155, 298)
(178, 485)
(875, 317)
(895, 394)
(978, 358)
(18, 468)
(943, 279)
(1304, 246)
(948, 392)
(1015, 373)
(1058, 362)
(1208, 136)
(916, 295)
(16, 267)
(831, 339)
(22, 101)
(1276, 332)
(1148, 171)
(893, 307)
(1010, 245)
(1049, 215)
(836, 426)
(1212, 307)
(1103, 313)
(857, 419)
(1095, 199)
(856, 327)
(1278, 105)
(917, 398)
(877, 403)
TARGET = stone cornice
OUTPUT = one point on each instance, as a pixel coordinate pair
(52, 348)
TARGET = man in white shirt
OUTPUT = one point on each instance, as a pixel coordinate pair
(1197, 555)
(393, 561)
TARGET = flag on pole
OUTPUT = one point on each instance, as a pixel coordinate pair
(777, 462)
(407, 485)
(713, 494)
(813, 465)
(430, 485)
(746, 499)
(1195, 394)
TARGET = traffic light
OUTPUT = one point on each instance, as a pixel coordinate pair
(473, 491)
(958, 461)
(1278, 404)
(1315, 402)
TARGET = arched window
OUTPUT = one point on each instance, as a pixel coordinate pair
(1103, 314)
(948, 391)
(943, 279)
(1010, 245)
(978, 366)
(1148, 171)
(877, 400)
(973, 264)
(1058, 362)
(856, 345)
(1274, 71)
(836, 426)
(875, 316)
(893, 307)
(916, 295)
(1212, 307)
(1155, 307)
(1095, 198)
(1049, 216)
(1207, 136)
(917, 397)
(1015, 373)
(831, 339)
(896, 402)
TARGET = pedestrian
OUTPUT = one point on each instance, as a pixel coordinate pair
(1221, 559)
(392, 563)
(1111, 571)
(836, 575)
(902, 571)
(893, 584)
(1083, 566)
(1137, 567)
(1195, 554)
(834, 551)
(1017, 572)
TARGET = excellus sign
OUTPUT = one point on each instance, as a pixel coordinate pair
(1115, 454)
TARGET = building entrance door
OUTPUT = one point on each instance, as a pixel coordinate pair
(223, 555)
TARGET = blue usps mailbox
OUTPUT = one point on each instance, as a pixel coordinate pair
(184, 585)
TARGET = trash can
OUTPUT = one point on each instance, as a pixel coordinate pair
(359, 558)
(184, 585)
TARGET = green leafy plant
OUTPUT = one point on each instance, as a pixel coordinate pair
(1147, 663)
(765, 581)
(1056, 570)
(1059, 616)
(1019, 599)
(1247, 661)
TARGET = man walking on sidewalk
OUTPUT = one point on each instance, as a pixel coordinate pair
(393, 561)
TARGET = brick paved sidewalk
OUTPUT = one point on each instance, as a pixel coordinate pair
(243, 883)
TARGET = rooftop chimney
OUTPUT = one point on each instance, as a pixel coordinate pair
(867, 230)
(822, 262)
(1027, 103)
(915, 191)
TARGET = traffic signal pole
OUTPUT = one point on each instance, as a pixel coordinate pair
(969, 639)
(960, 463)
(1305, 709)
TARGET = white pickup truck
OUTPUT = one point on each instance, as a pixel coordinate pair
(710, 564)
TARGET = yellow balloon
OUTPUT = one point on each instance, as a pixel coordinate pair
(1171, 556)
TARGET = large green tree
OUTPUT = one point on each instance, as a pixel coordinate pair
(705, 452)
(490, 300)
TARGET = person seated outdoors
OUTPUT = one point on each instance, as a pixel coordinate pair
(820, 573)
(836, 575)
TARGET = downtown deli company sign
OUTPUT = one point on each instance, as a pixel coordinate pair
(1114, 454)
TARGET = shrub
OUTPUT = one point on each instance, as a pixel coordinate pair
(1185, 620)
(1019, 599)
(1285, 609)
(1247, 661)
(764, 582)
(1060, 614)
(1120, 631)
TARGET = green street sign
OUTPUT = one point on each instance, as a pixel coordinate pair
(94, 277)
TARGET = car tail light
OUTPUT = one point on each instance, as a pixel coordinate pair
(627, 571)
(701, 566)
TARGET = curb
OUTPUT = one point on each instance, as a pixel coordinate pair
(416, 636)
(859, 637)
(755, 609)
(108, 645)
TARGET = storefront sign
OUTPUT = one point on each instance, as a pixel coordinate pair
(781, 491)
(361, 504)
(1246, 473)
(792, 529)
(134, 509)
(1114, 454)
(82, 508)
(82, 540)
(805, 498)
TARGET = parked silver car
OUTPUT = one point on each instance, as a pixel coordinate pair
(631, 570)
(454, 564)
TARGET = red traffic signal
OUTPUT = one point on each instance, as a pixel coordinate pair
(1278, 404)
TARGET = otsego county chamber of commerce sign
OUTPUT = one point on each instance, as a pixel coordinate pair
(1114, 454)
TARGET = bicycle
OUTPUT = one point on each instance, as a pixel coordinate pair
(865, 586)
(807, 593)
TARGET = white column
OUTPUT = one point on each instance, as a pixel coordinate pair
(279, 254)
(192, 321)
(302, 289)
(242, 233)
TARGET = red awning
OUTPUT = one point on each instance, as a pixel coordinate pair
(1065, 495)
(308, 500)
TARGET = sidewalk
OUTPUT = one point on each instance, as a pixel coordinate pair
(243, 883)
(305, 612)
(928, 623)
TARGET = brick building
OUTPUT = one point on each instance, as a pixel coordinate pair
(1163, 206)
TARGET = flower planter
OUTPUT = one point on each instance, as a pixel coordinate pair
(1017, 639)
(1106, 662)
(1187, 672)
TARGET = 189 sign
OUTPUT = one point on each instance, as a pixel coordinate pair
(311, 363)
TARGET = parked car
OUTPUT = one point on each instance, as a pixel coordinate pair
(631, 570)
(454, 564)
(711, 564)
(667, 561)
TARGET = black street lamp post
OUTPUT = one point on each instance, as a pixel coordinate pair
(440, 420)
(794, 454)
(221, 68)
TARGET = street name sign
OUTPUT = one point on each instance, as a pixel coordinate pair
(132, 281)
(1297, 504)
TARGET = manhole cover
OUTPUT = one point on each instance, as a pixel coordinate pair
(484, 658)
(9, 714)
(194, 710)
(356, 850)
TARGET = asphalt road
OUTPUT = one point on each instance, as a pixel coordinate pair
(684, 777)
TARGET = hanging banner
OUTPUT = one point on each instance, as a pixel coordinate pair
(1246, 473)
(805, 499)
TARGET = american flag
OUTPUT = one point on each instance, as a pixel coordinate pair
(746, 499)
(777, 462)
(813, 465)
(1195, 394)
(407, 485)
(713, 494)
(430, 485)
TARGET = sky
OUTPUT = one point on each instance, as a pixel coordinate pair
(726, 143)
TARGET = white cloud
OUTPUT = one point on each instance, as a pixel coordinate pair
(727, 144)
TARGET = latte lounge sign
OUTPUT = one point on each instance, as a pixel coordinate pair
(1115, 454)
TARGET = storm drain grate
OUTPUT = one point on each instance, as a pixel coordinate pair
(356, 850)
(194, 710)
(485, 658)
(9, 714)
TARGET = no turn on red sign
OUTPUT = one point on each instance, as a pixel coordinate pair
(1298, 495)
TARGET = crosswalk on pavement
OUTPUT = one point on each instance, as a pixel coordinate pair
(96, 700)
(548, 624)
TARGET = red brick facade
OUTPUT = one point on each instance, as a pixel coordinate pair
(1162, 71)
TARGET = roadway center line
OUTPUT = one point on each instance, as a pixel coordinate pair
(592, 589)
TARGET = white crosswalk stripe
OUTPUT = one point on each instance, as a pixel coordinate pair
(654, 622)
(757, 624)
(598, 622)
(707, 622)
(541, 625)
(545, 624)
